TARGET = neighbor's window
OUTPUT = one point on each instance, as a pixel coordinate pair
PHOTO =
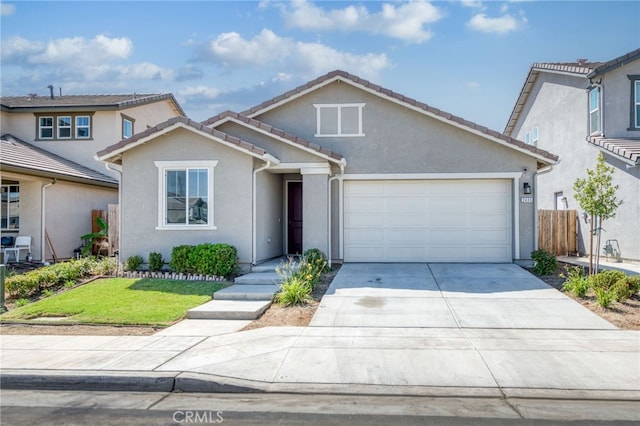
(534, 138)
(339, 120)
(45, 127)
(64, 127)
(186, 194)
(61, 127)
(127, 127)
(10, 207)
(594, 110)
(527, 138)
(635, 102)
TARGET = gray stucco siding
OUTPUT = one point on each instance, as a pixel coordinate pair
(232, 202)
(617, 101)
(269, 216)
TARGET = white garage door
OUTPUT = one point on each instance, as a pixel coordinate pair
(427, 221)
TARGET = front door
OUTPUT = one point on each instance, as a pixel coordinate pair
(294, 217)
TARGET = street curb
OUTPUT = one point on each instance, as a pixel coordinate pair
(146, 381)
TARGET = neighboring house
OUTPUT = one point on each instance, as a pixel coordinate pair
(577, 110)
(56, 137)
(339, 164)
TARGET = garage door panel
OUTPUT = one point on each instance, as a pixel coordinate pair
(428, 220)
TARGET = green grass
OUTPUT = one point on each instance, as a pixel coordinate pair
(121, 301)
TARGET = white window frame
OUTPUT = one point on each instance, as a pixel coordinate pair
(597, 110)
(163, 167)
(636, 103)
(534, 136)
(5, 206)
(59, 127)
(527, 138)
(41, 127)
(338, 107)
(77, 127)
(124, 121)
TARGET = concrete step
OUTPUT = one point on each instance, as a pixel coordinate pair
(229, 310)
(260, 278)
(247, 292)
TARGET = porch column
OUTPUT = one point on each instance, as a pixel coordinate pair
(315, 220)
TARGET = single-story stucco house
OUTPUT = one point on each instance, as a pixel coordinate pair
(340, 164)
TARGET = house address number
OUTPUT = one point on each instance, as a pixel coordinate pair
(526, 200)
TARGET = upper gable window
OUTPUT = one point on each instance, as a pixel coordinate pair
(127, 127)
(341, 120)
(594, 110)
(63, 127)
(635, 103)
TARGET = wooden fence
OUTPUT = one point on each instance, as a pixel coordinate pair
(111, 218)
(557, 231)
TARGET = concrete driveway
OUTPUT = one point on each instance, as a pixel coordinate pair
(439, 295)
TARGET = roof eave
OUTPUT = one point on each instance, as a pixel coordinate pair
(12, 168)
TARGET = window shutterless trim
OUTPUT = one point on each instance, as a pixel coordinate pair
(338, 108)
(634, 103)
(55, 128)
(163, 167)
(129, 119)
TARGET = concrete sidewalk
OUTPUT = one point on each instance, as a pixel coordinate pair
(438, 330)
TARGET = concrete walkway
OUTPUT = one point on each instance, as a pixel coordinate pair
(414, 329)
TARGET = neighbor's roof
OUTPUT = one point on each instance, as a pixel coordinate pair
(332, 76)
(22, 157)
(113, 152)
(264, 127)
(69, 102)
(628, 150)
(580, 68)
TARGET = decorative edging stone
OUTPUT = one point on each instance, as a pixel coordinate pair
(169, 276)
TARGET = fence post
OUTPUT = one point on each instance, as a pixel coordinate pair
(3, 269)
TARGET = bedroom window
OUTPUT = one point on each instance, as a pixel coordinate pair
(634, 121)
(63, 127)
(339, 120)
(594, 111)
(185, 194)
(45, 127)
(127, 127)
(83, 127)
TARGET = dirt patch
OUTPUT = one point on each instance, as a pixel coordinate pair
(76, 330)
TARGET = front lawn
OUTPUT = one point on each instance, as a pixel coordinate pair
(121, 301)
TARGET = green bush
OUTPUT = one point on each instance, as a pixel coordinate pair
(220, 260)
(21, 286)
(180, 256)
(317, 262)
(626, 287)
(133, 263)
(545, 262)
(105, 266)
(604, 296)
(156, 262)
(605, 279)
(294, 291)
(576, 283)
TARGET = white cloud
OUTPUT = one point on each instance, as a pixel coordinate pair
(501, 25)
(403, 21)
(310, 59)
(201, 92)
(7, 9)
(473, 85)
(476, 4)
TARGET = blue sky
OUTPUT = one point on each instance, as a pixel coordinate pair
(469, 58)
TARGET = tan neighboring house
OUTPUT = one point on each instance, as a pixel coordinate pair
(50, 179)
(340, 164)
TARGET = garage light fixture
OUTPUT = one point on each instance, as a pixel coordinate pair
(526, 188)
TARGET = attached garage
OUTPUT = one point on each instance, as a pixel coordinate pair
(461, 220)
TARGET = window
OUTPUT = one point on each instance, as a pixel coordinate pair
(534, 138)
(338, 120)
(64, 127)
(61, 127)
(127, 127)
(594, 111)
(185, 194)
(10, 207)
(83, 127)
(634, 116)
(45, 127)
(527, 138)
(560, 201)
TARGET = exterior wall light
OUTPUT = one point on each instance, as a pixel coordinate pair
(526, 188)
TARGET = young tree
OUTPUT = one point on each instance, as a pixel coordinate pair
(596, 195)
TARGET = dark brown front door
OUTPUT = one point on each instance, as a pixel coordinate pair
(294, 216)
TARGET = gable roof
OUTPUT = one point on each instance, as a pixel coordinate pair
(626, 149)
(274, 132)
(22, 157)
(542, 155)
(113, 153)
(74, 102)
(580, 68)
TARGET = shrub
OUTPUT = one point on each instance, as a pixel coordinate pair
(605, 279)
(604, 296)
(294, 291)
(626, 287)
(21, 302)
(47, 292)
(156, 262)
(105, 266)
(576, 283)
(545, 262)
(317, 261)
(133, 263)
(180, 256)
(21, 286)
(214, 259)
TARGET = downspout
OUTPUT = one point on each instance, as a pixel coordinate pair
(254, 251)
(535, 202)
(331, 179)
(43, 211)
(108, 167)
